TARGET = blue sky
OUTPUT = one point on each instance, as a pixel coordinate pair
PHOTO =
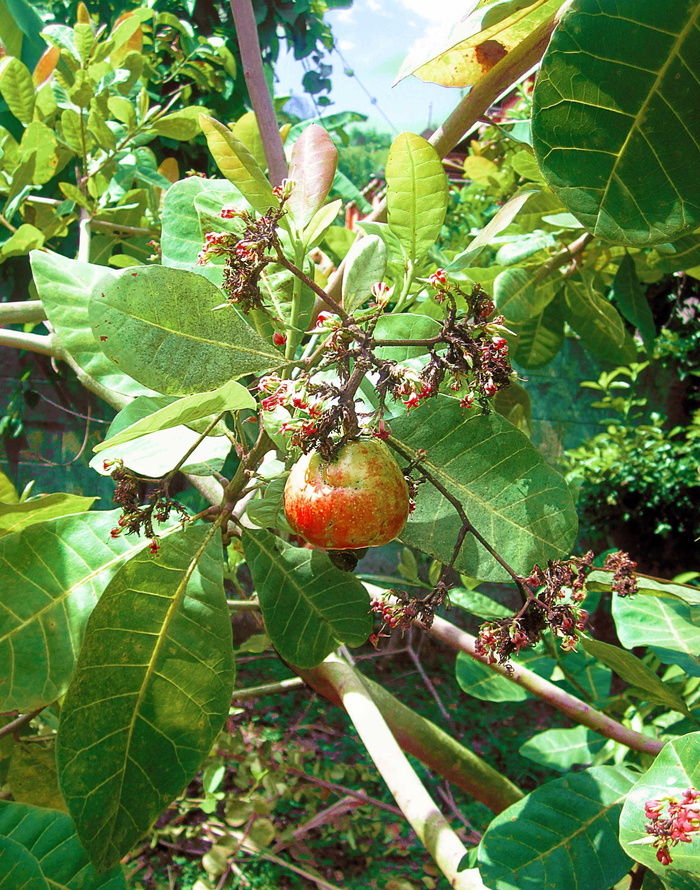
(374, 37)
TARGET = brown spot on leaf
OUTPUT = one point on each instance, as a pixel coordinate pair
(489, 53)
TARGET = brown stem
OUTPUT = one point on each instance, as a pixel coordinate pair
(19, 722)
(251, 57)
(548, 692)
(310, 283)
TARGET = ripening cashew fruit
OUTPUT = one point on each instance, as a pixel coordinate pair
(359, 499)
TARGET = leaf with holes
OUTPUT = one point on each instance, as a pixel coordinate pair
(511, 496)
(160, 325)
(563, 834)
(49, 836)
(151, 691)
(615, 125)
(309, 606)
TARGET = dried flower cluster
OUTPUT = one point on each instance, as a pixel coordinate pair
(135, 518)
(557, 606)
(624, 581)
(402, 612)
(676, 825)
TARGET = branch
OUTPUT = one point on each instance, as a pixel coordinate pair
(568, 704)
(266, 689)
(433, 830)
(44, 344)
(22, 312)
(251, 57)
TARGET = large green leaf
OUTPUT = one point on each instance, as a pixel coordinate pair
(14, 517)
(511, 496)
(309, 606)
(676, 768)
(182, 237)
(518, 297)
(563, 834)
(484, 34)
(49, 836)
(599, 580)
(633, 671)
(630, 297)
(480, 681)
(64, 287)
(160, 325)
(313, 162)
(238, 165)
(416, 194)
(229, 397)
(151, 691)
(598, 323)
(540, 338)
(560, 749)
(19, 870)
(17, 88)
(51, 576)
(665, 625)
(365, 265)
(155, 454)
(615, 125)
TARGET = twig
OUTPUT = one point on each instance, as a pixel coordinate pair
(249, 45)
(433, 830)
(333, 786)
(429, 684)
(22, 312)
(44, 344)
(19, 722)
(548, 692)
(267, 689)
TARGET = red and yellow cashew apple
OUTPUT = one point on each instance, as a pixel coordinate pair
(360, 499)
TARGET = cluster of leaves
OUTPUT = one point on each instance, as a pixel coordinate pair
(639, 475)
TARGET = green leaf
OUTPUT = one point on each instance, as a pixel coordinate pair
(484, 34)
(477, 604)
(629, 295)
(238, 165)
(497, 224)
(309, 607)
(520, 504)
(17, 89)
(664, 625)
(317, 228)
(597, 323)
(155, 454)
(64, 287)
(563, 834)
(560, 749)
(19, 870)
(21, 242)
(313, 162)
(160, 325)
(416, 194)
(151, 691)
(51, 575)
(540, 338)
(517, 296)
(182, 232)
(682, 254)
(182, 125)
(404, 326)
(246, 129)
(479, 681)
(8, 492)
(40, 139)
(675, 769)
(365, 264)
(230, 397)
(32, 775)
(50, 837)
(14, 517)
(623, 160)
(633, 671)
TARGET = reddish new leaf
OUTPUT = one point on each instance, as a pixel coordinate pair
(314, 159)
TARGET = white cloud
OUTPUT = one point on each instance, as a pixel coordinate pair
(438, 12)
(346, 45)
